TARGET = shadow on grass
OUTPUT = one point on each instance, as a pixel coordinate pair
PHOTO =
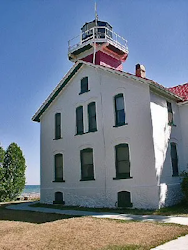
(180, 209)
(28, 216)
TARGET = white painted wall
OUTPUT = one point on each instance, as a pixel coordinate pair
(138, 134)
(163, 135)
(184, 125)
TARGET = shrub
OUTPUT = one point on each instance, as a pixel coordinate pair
(13, 173)
(184, 185)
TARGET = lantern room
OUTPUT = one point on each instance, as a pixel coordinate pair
(99, 44)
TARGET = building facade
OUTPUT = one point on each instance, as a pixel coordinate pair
(110, 138)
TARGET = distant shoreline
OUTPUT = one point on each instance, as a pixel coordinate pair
(31, 192)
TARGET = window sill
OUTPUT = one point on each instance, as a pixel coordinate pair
(55, 139)
(87, 132)
(175, 176)
(92, 179)
(59, 181)
(84, 92)
(59, 202)
(172, 124)
(127, 206)
(120, 178)
(120, 125)
(91, 131)
(79, 134)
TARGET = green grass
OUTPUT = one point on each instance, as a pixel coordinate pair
(111, 210)
(180, 209)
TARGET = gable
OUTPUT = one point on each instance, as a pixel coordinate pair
(56, 91)
(154, 86)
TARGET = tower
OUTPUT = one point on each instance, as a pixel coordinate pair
(98, 44)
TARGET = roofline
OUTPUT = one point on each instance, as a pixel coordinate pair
(78, 65)
(182, 103)
(56, 91)
(154, 85)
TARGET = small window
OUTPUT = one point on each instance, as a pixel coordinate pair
(84, 85)
(58, 167)
(170, 113)
(86, 157)
(122, 161)
(174, 159)
(57, 126)
(124, 199)
(119, 110)
(58, 198)
(79, 120)
(92, 117)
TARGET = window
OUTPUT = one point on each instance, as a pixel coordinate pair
(84, 85)
(57, 126)
(124, 199)
(122, 161)
(92, 117)
(174, 159)
(170, 113)
(79, 120)
(119, 110)
(86, 157)
(58, 198)
(58, 167)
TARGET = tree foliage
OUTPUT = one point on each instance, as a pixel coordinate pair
(2, 154)
(13, 173)
(184, 185)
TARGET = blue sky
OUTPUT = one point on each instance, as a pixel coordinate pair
(33, 54)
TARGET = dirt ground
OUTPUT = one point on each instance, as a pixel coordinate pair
(34, 231)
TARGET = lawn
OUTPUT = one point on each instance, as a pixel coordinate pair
(34, 231)
(180, 209)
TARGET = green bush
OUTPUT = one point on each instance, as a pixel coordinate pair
(12, 173)
(184, 185)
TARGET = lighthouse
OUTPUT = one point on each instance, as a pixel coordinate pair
(97, 43)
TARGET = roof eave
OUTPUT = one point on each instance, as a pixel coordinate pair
(151, 83)
(56, 91)
(165, 92)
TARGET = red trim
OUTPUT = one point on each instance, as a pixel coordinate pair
(105, 60)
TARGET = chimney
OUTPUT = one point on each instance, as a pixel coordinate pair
(140, 71)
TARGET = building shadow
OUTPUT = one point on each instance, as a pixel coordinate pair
(29, 216)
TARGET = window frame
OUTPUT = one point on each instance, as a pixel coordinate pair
(82, 87)
(175, 169)
(122, 175)
(117, 122)
(79, 132)
(91, 117)
(121, 195)
(170, 113)
(89, 178)
(58, 126)
(58, 179)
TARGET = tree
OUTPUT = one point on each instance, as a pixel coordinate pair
(2, 155)
(14, 172)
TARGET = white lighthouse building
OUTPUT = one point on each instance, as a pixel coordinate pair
(110, 138)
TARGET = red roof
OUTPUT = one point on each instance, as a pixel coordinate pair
(180, 90)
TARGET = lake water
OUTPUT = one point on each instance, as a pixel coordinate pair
(31, 190)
